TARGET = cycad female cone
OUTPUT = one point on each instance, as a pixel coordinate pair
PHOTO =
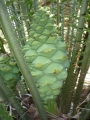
(46, 55)
(9, 70)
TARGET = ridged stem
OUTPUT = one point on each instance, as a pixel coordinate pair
(3, 96)
(29, 9)
(35, 5)
(2, 50)
(17, 52)
(52, 7)
(84, 68)
(70, 82)
(25, 14)
(62, 23)
(17, 22)
(70, 35)
(59, 16)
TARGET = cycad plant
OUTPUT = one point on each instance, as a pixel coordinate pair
(44, 41)
(46, 55)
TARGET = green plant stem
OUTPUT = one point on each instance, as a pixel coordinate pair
(84, 68)
(25, 14)
(70, 81)
(62, 24)
(11, 98)
(51, 107)
(19, 24)
(17, 52)
(3, 96)
(68, 36)
(16, 21)
(2, 46)
(29, 8)
(52, 7)
(59, 16)
(35, 5)
(21, 86)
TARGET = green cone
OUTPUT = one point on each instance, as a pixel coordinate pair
(9, 70)
(46, 55)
